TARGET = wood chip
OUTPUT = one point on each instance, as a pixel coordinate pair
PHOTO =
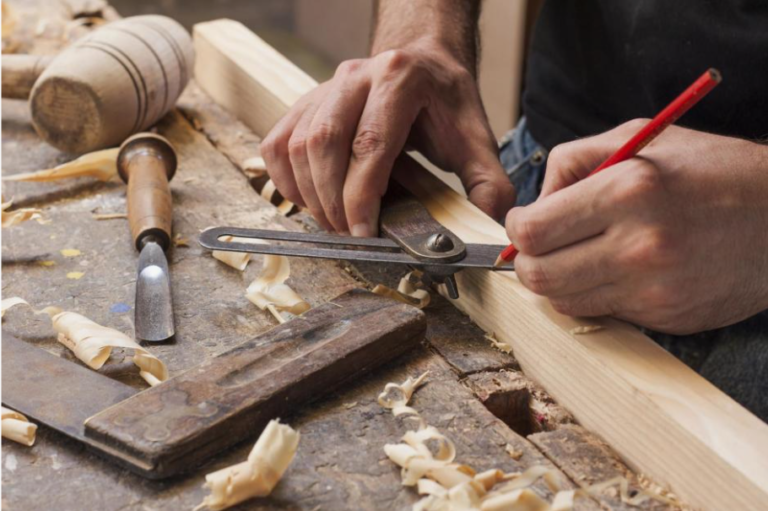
(99, 164)
(108, 216)
(18, 216)
(270, 292)
(93, 344)
(70, 252)
(257, 476)
(427, 460)
(17, 427)
(7, 303)
(75, 275)
(407, 291)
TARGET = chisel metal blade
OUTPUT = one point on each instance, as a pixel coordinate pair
(154, 307)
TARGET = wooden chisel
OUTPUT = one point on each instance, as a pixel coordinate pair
(147, 162)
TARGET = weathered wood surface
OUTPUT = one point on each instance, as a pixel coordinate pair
(589, 460)
(340, 463)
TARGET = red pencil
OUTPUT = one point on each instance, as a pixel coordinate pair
(669, 115)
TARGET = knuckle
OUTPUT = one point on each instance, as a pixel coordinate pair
(297, 147)
(323, 136)
(349, 67)
(367, 143)
(640, 183)
(526, 232)
(657, 248)
(394, 61)
(535, 278)
(271, 149)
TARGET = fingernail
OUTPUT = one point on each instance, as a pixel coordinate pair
(362, 231)
(344, 233)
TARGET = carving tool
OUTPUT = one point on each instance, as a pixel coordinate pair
(147, 162)
(116, 81)
(181, 423)
(690, 96)
(413, 238)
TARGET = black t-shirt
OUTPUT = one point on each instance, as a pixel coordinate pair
(594, 64)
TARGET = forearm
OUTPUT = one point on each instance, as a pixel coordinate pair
(449, 24)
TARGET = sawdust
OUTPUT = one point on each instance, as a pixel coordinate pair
(427, 461)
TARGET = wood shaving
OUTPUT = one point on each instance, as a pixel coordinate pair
(449, 486)
(258, 475)
(513, 453)
(237, 260)
(108, 216)
(99, 164)
(506, 348)
(588, 329)
(75, 275)
(180, 241)
(7, 303)
(16, 217)
(70, 252)
(254, 167)
(285, 207)
(407, 291)
(93, 344)
(270, 292)
(17, 427)
(47, 264)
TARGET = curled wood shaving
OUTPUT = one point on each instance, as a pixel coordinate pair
(93, 344)
(285, 207)
(17, 427)
(7, 303)
(14, 218)
(254, 167)
(237, 260)
(588, 329)
(270, 292)
(407, 291)
(450, 486)
(257, 476)
(99, 164)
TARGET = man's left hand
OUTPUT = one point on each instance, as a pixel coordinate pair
(675, 239)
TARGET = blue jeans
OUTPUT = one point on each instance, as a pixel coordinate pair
(733, 358)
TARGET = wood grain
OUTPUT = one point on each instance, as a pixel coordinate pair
(119, 80)
(147, 162)
(662, 417)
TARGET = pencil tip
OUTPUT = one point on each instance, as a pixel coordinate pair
(499, 262)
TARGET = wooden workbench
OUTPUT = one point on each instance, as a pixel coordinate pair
(340, 462)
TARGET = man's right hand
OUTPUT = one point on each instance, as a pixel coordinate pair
(334, 150)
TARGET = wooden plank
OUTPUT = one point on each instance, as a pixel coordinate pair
(662, 417)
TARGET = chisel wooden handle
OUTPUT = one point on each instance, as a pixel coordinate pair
(147, 162)
(20, 72)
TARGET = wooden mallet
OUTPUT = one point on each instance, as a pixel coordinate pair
(116, 81)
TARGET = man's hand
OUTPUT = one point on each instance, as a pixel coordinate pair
(334, 150)
(675, 239)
